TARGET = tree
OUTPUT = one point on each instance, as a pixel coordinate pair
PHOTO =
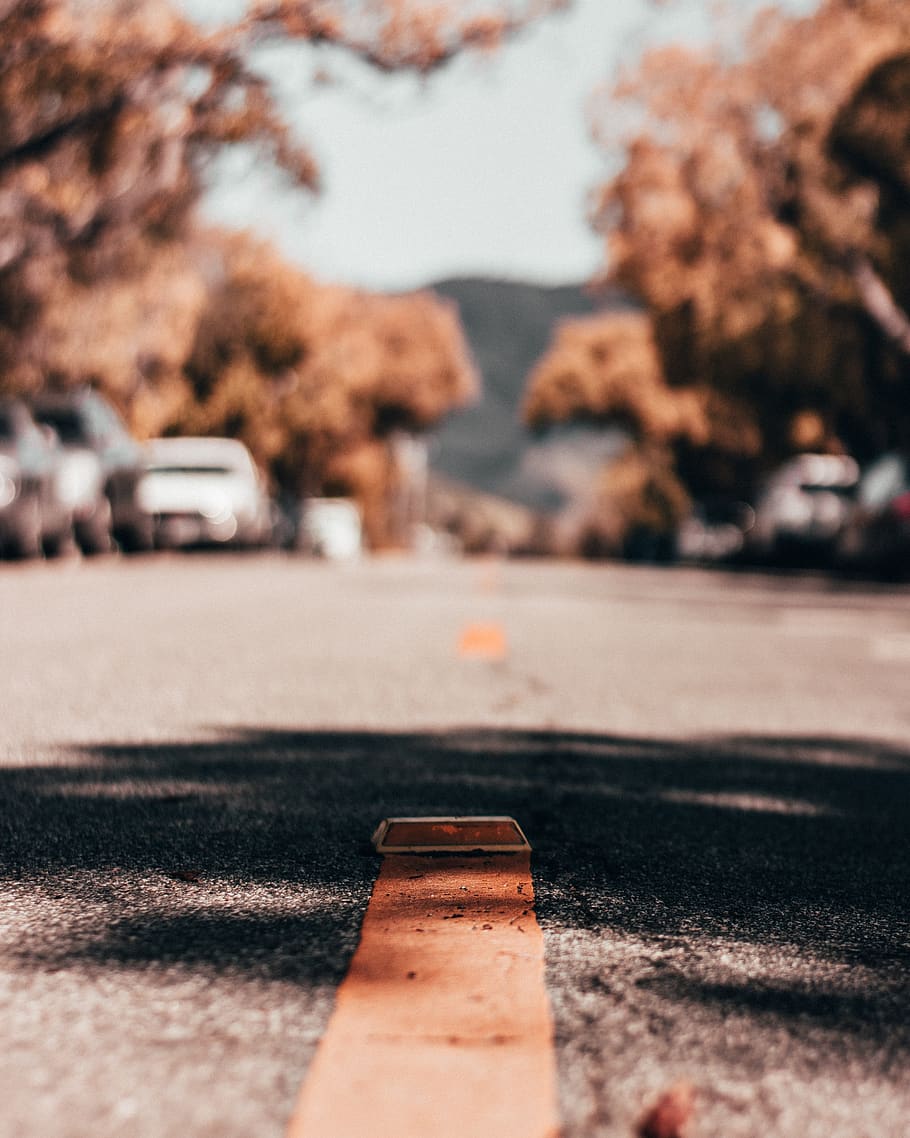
(109, 115)
(759, 216)
(607, 369)
(108, 112)
(317, 379)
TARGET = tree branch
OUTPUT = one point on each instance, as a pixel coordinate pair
(880, 304)
(423, 40)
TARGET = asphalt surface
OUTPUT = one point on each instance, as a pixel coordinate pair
(713, 770)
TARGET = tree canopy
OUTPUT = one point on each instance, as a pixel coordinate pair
(759, 215)
(314, 377)
(109, 114)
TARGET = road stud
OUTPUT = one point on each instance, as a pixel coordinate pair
(465, 834)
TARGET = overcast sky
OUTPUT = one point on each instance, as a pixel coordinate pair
(484, 169)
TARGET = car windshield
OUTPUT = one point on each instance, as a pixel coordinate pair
(66, 422)
(884, 480)
(816, 488)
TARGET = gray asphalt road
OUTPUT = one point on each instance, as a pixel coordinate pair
(713, 769)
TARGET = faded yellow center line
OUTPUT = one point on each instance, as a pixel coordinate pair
(442, 1026)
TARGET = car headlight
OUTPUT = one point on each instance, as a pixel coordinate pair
(8, 488)
(217, 508)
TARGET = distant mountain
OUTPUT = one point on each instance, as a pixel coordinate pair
(509, 325)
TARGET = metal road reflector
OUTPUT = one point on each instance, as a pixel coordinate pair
(450, 835)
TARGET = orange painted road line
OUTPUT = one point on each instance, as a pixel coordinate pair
(487, 641)
(442, 1026)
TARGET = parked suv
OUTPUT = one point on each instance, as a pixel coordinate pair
(103, 466)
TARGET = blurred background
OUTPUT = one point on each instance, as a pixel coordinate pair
(516, 276)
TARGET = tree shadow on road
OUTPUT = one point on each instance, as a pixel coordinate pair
(250, 851)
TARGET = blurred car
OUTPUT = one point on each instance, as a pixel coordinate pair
(803, 509)
(715, 531)
(34, 517)
(102, 468)
(877, 534)
(205, 491)
(330, 528)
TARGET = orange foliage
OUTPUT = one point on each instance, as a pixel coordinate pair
(759, 217)
(315, 377)
(607, 369)
(108, 114)
(752, 216)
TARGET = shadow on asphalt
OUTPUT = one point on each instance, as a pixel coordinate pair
(802, 843)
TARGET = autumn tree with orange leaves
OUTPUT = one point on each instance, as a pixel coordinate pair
(111, 111)
(317, 379)
(759, 217)
(109, 115)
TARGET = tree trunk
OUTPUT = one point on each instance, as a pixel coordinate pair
(879, 303)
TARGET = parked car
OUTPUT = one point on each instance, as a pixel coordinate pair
(803, 508)
(34, 518)
(103, 465)
(205, 491)
(877, 534)
(715, 531)
(330, 528)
